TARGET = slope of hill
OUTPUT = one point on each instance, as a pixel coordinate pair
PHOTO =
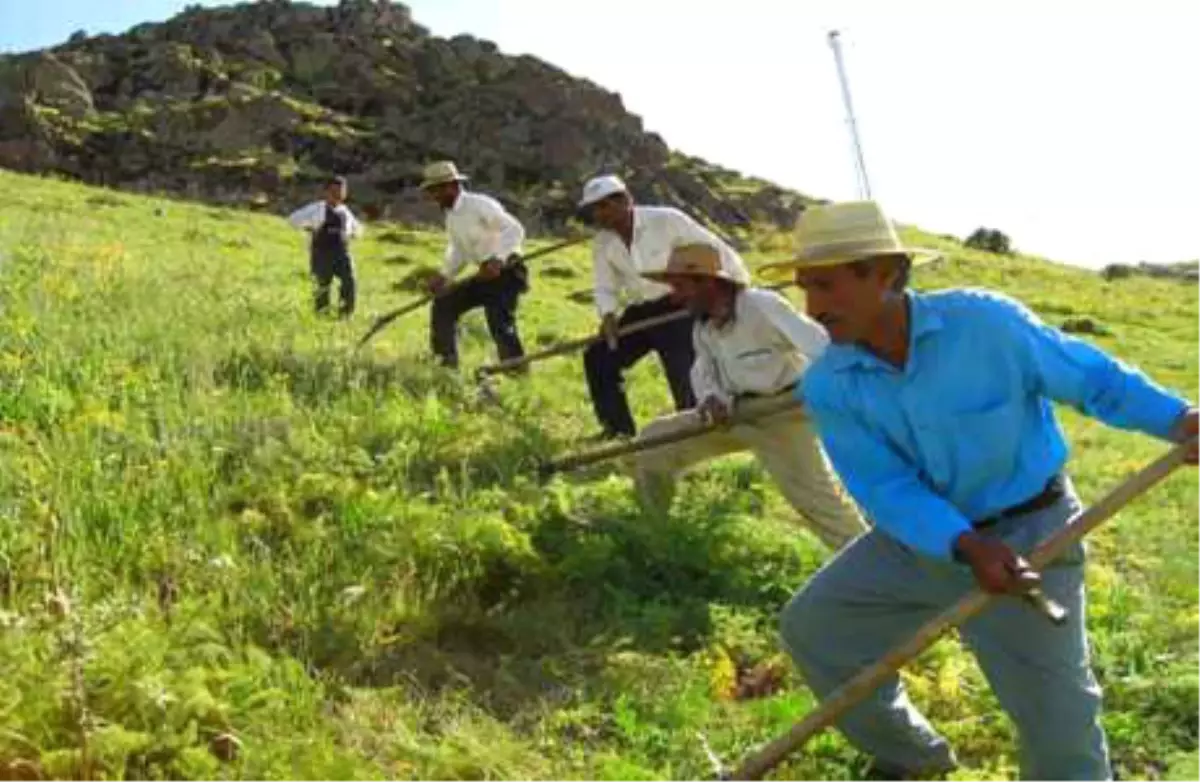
(255, 103)
(230, 549)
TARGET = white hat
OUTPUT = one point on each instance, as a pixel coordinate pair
(601, 187)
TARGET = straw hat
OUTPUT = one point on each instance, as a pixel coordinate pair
(695, 260)
(440, 173)
(843, 233)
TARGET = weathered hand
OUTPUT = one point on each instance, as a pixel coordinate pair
(436, 283)
(609, 329)
(490, 269)
(1186, 429)
(997, 569)
(713, 410)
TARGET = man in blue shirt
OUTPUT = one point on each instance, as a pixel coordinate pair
(935, 410)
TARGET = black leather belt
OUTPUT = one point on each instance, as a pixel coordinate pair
(1052, 493)
(757, 395)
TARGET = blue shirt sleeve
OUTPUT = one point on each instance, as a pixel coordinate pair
(1076, 373)
(882, 481)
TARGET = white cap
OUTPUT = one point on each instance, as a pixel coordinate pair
(601, 187)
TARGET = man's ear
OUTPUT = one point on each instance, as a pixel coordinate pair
(890, 271)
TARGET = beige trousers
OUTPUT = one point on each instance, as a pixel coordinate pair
(786, 446)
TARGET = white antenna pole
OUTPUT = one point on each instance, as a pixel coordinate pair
(864, 186)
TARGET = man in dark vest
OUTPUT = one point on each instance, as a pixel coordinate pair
(332, 225)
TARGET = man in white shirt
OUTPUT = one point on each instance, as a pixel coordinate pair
(483, 236)
(633, 239)
(331, 224)
(750, 344)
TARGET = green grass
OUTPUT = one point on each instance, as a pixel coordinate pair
(230, 548)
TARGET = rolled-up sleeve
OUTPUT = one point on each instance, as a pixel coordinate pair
(308, 216)
(705, 379)
(504, 232)
(1076, 373)
(354, 226)
(883, 483)
(604, 283)
(453, 261)
(808, 336)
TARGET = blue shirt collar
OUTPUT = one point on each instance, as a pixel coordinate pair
(924, 320)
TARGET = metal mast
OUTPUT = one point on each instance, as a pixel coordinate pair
(864, 186)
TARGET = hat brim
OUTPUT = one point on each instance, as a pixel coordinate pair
(662, 276)
(584, 205)
(782, 270)
(445, 181)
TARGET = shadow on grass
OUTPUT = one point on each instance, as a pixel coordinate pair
(400, 237)
(603, 587)
(558, 272)
(316, 378)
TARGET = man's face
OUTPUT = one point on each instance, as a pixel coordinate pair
(701, 295)
(612, 213)
(845, 300)
(685, 290)
(444, 195)
(335, 192)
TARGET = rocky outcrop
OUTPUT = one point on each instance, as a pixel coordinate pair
(258, 102)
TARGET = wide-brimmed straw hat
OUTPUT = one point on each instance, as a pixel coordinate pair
(693, 260)
(843, 233)
(440, 173)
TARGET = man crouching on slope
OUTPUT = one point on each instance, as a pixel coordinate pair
(480, 232)
(936, 412)
(749, 344)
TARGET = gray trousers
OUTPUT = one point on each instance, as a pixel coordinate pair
(875, 594)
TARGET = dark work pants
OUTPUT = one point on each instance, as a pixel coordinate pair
(326, 266)
(605, 368)
(498, 297)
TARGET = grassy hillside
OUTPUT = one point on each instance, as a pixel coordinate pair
(229, 549)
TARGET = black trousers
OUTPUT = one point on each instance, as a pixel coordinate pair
(324, 267)
(498, 297)
(605, 368)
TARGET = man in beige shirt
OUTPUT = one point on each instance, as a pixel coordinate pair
(749, 344)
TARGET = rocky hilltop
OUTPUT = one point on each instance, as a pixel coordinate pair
(254, 104)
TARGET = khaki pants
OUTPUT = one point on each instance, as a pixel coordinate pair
(788, 449)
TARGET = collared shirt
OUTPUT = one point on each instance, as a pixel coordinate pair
(479, 228)
(313, 216)
(966, 428)
(762, 349)
(656, 231)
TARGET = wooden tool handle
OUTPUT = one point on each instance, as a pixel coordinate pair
(512, 364)
(760, 409)
(867, 680)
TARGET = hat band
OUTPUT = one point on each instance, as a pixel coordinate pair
(852, 248)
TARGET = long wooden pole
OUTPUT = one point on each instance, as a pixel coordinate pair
(570, 346)
(513, 364)
(867, 680)
(759, 409)
(383, 320)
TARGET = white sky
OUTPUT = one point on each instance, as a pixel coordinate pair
(1072, 129)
